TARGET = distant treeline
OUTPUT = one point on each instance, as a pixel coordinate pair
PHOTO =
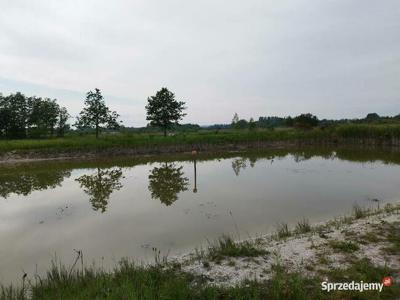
(22, 117)
(303, 121)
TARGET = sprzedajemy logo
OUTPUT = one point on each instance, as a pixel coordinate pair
(360, 286)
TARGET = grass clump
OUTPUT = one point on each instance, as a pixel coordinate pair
(393, 237)
(343, 246)
(283, 230)
(303, 226)
(369, 237)
(226, 247)
(359, 212)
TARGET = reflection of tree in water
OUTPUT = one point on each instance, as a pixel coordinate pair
(166, 182)
(238, 164)
(252, 161)
(100, 185)
(27, 181)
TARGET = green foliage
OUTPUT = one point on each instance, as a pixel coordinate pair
(153, 141)
(305, 121)
(34, 117)
(226, 247)
(372, 117)
(343, 246)
(303, 226)
(15, 111)
(163, 110)
(283, 230)
(252, 124)
(63, 117)
(96, 114)
(132, 281)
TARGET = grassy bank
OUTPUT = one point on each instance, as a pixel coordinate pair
(173, 280)
(130, 281)
(381, 133)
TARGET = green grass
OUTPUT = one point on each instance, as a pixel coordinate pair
(283, 230)
(131, 281)
(124, 140)
(343, 246)
(303, 226)
(392, 232)
(226, 247)
(359, 212)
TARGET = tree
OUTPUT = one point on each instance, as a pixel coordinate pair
(96, 114)
(22, 116)
(15, 106)
(62, 125)
(372, 117)
(242, 124)
(235, 120)
(289, 121)
(164, 111)
(166, 182)
(42, 115)
(5, 116)
(305, 121)
(252, 124)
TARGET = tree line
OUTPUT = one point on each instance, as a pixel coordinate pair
(22, 117)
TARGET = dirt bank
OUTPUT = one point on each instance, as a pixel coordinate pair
(56, 154)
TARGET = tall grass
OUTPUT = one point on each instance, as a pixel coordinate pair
(132, 281)
(89, 142)
(227, 247)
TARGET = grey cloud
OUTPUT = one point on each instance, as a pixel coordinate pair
(335, 58)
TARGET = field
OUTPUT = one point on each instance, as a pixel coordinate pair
(359, 132)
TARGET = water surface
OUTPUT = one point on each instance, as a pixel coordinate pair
(124, 208)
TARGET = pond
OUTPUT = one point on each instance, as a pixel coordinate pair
(111, 209)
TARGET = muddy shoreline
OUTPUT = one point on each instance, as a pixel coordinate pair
(154, 150)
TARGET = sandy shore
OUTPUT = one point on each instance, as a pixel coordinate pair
(331, 245)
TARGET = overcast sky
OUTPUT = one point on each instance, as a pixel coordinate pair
(334, 58)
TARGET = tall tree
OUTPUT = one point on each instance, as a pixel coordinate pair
(164, 111)
(235, 119)
(43, 115)
(16, 107)
(62, 125)
(96, 114)
(5, 116)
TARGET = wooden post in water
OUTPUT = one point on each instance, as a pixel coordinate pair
(194, 153)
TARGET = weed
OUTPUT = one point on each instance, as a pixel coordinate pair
(283, 230)
(303, 226)
(343, 246)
